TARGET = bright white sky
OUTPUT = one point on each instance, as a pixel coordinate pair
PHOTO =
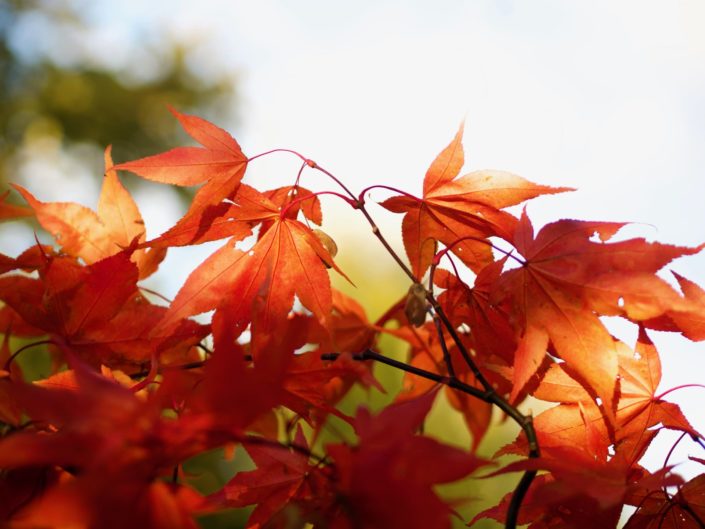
(605, 96)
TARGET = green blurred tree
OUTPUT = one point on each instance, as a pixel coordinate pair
(83, 102)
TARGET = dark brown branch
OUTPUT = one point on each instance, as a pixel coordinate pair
(525, 422)
(518, 497)
(488, 395)
(161, 369)
(444, 346)
(369, 354)
(437, 322)
(190, 365)
(263, 441)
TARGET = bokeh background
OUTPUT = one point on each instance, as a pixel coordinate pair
(607, 97)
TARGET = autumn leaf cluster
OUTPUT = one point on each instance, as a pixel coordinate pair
(139, 387)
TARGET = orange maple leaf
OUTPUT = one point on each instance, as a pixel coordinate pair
(219, 163)
(11, 211)
(566, 281)
(454, 208)
(578, 417)
(259, 285)
(689, 320)
(93, 236)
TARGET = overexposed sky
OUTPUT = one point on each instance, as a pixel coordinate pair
(605, 96)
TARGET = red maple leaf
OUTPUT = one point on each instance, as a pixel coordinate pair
(388, 468)
(286, 485)
(661, 510)
(97, 312)
(111, 446)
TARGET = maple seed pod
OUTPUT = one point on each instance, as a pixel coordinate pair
(328, 243)
(415, 307)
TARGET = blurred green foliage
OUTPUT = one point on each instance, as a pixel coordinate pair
(81, 101)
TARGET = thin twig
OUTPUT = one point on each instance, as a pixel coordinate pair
(162, 369)
(482, 240)
(314, 165)
(190, 365)
(14, 355)
(668, 457)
